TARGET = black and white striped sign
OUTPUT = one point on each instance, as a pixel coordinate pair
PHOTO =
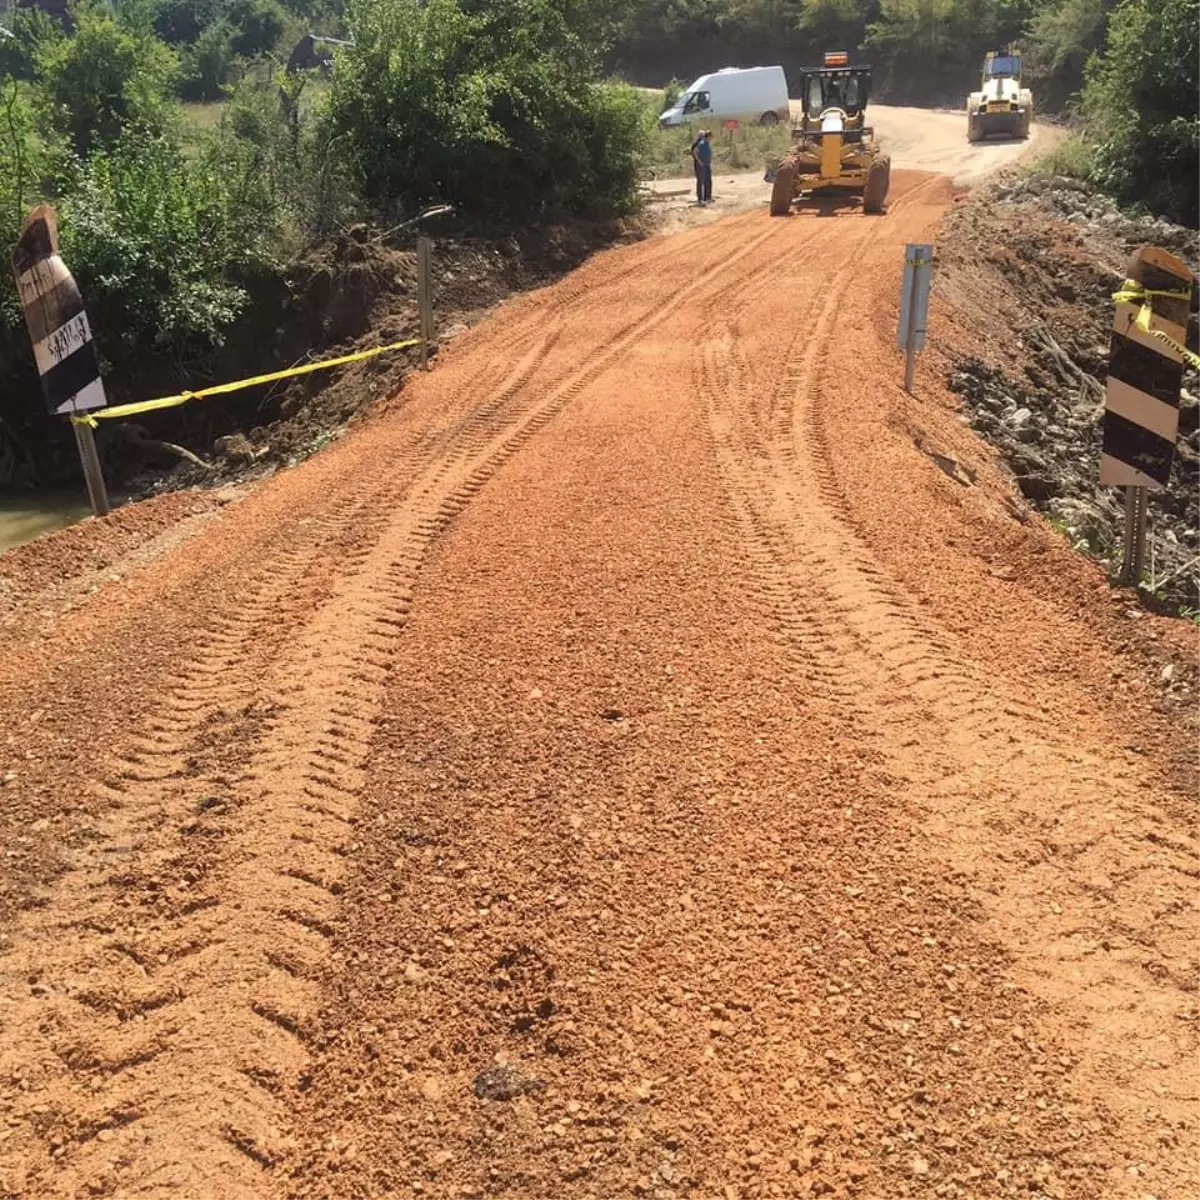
(58, 326)
(1141, 411)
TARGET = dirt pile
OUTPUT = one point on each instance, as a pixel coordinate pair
(1032, 263)
(353, 293)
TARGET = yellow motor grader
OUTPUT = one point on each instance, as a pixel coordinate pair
(833, 147)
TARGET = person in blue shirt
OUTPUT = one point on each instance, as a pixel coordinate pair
(702, 160)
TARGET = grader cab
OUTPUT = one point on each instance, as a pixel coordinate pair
(833, 150)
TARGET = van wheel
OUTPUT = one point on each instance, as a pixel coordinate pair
(771, 117)
(781, 190)
(879, 175)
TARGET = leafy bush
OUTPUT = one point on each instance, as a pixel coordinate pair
(180, 22)
(208, 63)
(1062, 37)
(259, 25)
(494, 109)
(672, 92)
(154, 240)
(21, 166)
(1142, 106)
(1074, 157)
(101, 79)
(31, 29)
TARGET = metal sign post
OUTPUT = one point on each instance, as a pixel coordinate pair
(425, 296)
(1141, 402)
(914, 306)
(62, 339)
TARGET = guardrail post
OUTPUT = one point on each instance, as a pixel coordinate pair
(425, 296)
(1141, 405)
(92, 471)
(914, 306)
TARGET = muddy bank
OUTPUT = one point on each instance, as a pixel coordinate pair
(1030, 265)
(354, 292)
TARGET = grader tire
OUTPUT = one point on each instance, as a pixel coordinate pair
(1025, 125)
(878, 177)
(973, 129)
(781, 191)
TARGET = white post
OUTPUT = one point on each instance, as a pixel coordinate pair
(910, 348)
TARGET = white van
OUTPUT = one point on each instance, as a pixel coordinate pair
(749, 94)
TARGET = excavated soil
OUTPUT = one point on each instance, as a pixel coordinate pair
(1028, 267)
(653, 755)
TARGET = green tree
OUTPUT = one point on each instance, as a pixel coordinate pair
(838, 24)
(179, 22)
(259, 24)
(101, 79)
(492, 106)
(31, 29)
(933, 49)
(1141, 104)
(1065, 34)
(208, 63)
(155, 243)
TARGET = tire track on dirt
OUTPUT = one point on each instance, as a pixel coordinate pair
(947, 730)
(233, 814)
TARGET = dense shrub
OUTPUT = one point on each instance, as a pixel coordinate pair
(180, 22)
(1142, 107)
(155, 241)
(208, 63)
(493, 108)
(21, 166)
(30, 30)
(258, 25)
(102, 79)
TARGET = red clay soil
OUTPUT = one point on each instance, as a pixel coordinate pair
(629, 765)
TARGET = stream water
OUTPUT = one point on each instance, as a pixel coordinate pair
(25, 515)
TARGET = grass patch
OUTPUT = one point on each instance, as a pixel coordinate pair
(748, 148)
(1073, 157)
(197, 120)
(667, 153)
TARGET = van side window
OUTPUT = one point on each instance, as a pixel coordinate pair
(697, 102)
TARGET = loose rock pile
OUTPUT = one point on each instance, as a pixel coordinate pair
(1034, 261)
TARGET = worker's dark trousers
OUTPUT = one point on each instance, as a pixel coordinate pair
(703, 183)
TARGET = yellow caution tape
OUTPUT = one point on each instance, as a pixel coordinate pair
(144, 406)
(1133, 292)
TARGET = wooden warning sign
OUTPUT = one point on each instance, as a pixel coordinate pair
(1141, 410)
(58, 325)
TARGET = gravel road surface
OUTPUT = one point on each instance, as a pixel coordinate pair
(630, 762)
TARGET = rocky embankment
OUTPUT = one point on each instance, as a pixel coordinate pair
(1033, 262)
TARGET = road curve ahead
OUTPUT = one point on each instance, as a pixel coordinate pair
(626, 765)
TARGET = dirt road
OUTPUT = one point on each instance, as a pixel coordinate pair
(627, 764)
(918, 138)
